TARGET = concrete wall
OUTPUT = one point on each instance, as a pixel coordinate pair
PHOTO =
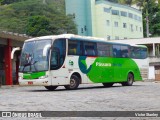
(78, 8)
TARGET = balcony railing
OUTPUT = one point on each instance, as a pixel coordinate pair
(154, 59)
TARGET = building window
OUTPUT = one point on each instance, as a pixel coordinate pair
(74, 16)
(116, 38)
(130, 15)
(140, 29)
(85, 28)
(115, 24)
(131, 27)
(81, 30)
(115, 12)
(136, 28)
(124, 25)
(107, 10)
(108, 22)
(135, 17)
(108, 37)
(123, 13)
(139, 19)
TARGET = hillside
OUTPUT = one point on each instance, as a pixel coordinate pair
(43, 17)
(36, 17)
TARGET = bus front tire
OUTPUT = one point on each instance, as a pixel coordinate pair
(50, 88)
(74, 83)
(130, 80)
(107, 84)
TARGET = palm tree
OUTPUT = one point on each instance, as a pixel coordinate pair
(126, 2)
(141, 3)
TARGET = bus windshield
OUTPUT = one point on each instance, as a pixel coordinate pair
(33, 58)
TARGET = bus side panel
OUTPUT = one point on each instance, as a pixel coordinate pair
(103, 69)
(143, 67)
(122, 67)
(97, 69)
(72, 65)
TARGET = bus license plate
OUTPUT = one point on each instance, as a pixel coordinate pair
(30, 83)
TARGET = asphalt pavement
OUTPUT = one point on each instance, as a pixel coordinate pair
(142, 96)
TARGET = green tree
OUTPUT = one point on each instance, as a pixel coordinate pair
(3, 2)
(150, 9)
(38, 26)
(115, 1)
(33, 17)
(126, 2)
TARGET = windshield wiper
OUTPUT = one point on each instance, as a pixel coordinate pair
(30, 64)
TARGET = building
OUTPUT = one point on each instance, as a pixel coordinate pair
(8, 67)
(101, 18)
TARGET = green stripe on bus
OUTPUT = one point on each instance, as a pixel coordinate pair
(35, 75)
(105, 69)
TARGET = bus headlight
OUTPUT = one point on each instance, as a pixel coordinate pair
(20, 78)
(43, 77)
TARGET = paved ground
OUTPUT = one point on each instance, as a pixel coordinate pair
(142, 96)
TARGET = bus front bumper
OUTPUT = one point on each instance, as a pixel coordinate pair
(35, 82)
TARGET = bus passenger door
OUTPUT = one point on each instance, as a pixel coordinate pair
(58, 69)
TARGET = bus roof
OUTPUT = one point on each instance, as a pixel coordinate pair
(85, 38)
(67, 36)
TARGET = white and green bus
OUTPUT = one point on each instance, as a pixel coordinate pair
(69, 60)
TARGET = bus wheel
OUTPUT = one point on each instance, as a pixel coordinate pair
(50, 88)
(107, 84)
(74, 83)
(130, 80)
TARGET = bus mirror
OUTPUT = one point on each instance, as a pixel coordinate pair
(13, 51)
(45, 50)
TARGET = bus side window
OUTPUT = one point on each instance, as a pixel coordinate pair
(90, 49)
(132, 52)
(117, 51)
(74, 47)
(104, 50)
(124, 51)
(58, 53)
(54, 58)
(138, 53)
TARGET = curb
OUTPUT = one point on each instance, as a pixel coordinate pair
(157, 81)
(8, 86)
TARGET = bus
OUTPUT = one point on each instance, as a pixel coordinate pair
(70, 60)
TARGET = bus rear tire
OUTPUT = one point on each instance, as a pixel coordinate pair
(50, 88)
(107, 84)
(74, 83)
(130, 80)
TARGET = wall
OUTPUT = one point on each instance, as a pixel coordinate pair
(103, 30)
(78, 8)
(90, 18)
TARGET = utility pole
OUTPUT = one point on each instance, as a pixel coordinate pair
(147, 19)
